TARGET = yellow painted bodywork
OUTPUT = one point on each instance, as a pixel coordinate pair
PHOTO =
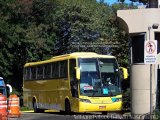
(100, 104)
(124, 72)
(51, 94)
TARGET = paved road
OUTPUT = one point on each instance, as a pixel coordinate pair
(57, 116)
(43, 116)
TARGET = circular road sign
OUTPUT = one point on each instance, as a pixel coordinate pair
(150, 47)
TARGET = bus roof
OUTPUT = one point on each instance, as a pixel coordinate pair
(72, 55)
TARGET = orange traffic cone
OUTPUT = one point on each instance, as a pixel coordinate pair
(3, 107)
(13, 106)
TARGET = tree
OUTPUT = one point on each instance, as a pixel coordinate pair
(85, 21)
(34, 30)
(149, 3)
(26, 34)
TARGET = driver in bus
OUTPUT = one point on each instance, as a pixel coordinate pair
(107, 82)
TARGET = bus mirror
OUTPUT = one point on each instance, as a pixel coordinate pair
(123, 73)
(78, 73)
(10, 88)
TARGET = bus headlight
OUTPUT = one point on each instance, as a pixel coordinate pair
(116, 99)
(85, 100)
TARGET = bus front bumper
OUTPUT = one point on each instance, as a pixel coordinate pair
(90, 107)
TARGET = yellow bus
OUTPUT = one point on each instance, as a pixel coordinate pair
(76, 82)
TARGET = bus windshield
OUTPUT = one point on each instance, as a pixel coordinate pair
(99, 77)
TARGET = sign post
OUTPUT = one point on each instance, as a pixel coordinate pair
(150, 56)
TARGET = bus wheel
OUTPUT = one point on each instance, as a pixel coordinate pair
(67, 107)
(37, 110)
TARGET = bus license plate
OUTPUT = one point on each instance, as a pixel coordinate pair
(102, 107)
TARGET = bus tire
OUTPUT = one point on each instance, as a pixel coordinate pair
(37, 110)
(67, 107)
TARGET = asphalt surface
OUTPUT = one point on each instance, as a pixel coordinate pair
(42, 116)
(79, 116)
(58, 116)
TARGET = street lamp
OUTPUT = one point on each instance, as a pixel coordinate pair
(155, 26)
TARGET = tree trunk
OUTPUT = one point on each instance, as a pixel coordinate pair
(153, 3)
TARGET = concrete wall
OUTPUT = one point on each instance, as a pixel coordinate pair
(143, 100)
(138, 20)
(134, 22)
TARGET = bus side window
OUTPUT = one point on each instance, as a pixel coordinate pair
(33, 72)
(26, 73)
(40, 72)
(47, 71)
(55, 70)
(64, 69)
(73, 81)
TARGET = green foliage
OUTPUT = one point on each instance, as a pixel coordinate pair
(145, 2)
(15, 92)
(26, 34)
(88, 21)
(126, 100)
(157, 114)
(119, 6)
(24, 109)
(141, 1)
(33, 30)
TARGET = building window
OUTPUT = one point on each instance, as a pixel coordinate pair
(138, 48)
